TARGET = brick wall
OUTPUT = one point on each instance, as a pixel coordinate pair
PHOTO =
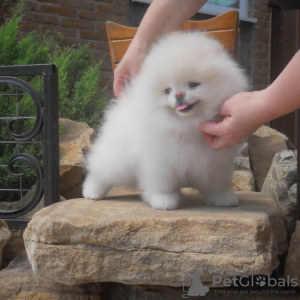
(80, 22)
(261, 45)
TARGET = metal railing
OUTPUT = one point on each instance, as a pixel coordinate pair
(31, 177)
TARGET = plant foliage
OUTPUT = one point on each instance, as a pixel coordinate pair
(80, 97)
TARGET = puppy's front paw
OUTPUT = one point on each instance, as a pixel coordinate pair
(227, 198)
(93, 190)
(164, 201)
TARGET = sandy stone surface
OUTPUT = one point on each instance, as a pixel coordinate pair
(121, 239)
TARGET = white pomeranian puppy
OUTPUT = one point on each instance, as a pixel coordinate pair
(150, 139)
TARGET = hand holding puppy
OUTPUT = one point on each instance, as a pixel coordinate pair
(245, 112)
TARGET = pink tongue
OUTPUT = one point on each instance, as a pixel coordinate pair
(181, 107)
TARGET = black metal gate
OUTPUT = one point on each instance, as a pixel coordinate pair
(29, 161)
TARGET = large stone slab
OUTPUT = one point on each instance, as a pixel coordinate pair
(121, 239)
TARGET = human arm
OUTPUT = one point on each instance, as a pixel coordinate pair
(163, 16)
(245, 112)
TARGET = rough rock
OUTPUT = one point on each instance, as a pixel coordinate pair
(263, 145)
(243, 180)
(243, 150)
(17, 281)
(281, 184)
(242, 161)
(74, 141)
(121, 239)
(14, 248)
(5, 236)
(292, 264)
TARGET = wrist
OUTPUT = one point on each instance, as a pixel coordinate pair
(268, 107)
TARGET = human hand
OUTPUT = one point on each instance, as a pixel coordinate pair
(242, 114)
(128, 67)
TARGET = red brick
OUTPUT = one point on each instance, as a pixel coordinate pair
(101, 26)
(267, 64)
(31, 6)
(267, 48)
(41, 18)
(260, 15)
(261, 39)
(106, 1)
(119, 19)
(122, 2)
(66, 32)
(263, 32)
(106, 65)
(91, 15)
(83, 24)
(262, 72)
(112, 9)
(264, 8)
(258, 47)
(263, 24)
(27, 26)
(90, 5)
(261, 79)
(76, 41)
(106, 75)
(58, 10)
(258, 64)
(102, 46)
(107, 85)
(91, 35)
(260, 55)
(50, 1)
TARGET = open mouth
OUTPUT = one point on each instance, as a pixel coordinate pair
(186, 107)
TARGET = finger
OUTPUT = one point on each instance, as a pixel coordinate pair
(208, 138)
(211, 128)
(215, 142)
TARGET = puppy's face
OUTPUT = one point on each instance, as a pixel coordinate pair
(184, 98)
(190, 92)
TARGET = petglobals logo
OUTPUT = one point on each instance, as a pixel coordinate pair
(254, 281)
(258, 284)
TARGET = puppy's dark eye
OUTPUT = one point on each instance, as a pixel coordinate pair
(194, 84)
(168, 91)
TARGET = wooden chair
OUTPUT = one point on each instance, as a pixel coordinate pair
(223, 27)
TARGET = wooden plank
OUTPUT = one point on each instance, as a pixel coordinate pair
(226, 37)
(223, 28)
(120, 32)
(225, 21)
(119, 48)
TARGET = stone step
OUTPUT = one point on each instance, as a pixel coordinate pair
(121, 239)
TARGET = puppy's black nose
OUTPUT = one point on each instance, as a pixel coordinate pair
(179, 96)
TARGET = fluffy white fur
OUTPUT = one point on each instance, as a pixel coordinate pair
(150, 139)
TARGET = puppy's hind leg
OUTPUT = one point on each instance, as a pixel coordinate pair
(223, 198)
(219, 190)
